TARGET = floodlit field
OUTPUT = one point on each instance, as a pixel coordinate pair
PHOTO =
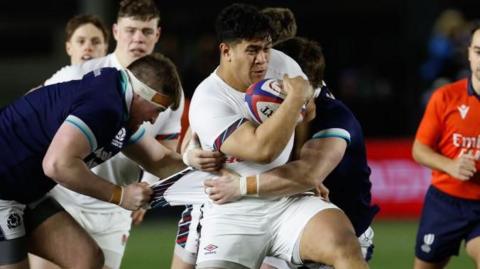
(151, 246)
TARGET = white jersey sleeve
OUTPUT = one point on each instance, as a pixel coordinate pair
(77, 71)
(281, 64)
(66, 73)
(216, 111)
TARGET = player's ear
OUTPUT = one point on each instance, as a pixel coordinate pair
(225, 51)
(115, 31)
(68, 48)
(157, 33)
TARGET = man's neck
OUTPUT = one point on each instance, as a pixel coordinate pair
(122, 60)
(475, 84)
(227, 76)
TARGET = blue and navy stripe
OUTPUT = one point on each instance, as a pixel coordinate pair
(77, 122)
(225, 134)
(167, 136)
(333, 132)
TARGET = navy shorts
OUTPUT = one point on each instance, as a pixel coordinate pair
(14, 249)
(445, 222)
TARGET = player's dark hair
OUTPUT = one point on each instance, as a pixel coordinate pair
(80, 20)
(282, 22)
(144, 10)
(474, 26)
(308, 54)
(160, 73)
(241, 21)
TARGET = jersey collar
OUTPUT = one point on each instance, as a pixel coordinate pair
(470, 89)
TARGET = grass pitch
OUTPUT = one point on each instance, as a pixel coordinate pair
(151, 246)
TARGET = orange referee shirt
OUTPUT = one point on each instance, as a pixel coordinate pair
(451, 126)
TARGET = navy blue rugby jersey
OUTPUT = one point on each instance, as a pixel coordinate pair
(96, 105)
(349, 182)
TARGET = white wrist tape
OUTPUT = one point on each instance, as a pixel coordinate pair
(243, 186)
(121, 196)
(250, 186)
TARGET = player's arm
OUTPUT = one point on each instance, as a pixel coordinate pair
(302, 131)
(301, 136)
(139, 215)
(64, 163)
(193, 155)
(424, 151)
(170, 144)
(463, 167)
(318, 158)
(154, 157)
(265, 142)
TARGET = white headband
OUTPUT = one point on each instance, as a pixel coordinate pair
(147, 93)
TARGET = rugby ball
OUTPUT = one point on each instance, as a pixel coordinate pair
(263, 98)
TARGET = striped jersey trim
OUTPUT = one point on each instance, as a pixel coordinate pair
(184, 226)
(123, 81)
(167, 136)
(137, 135)
(127, 95)
(225, 134)
(77, 122)
(333, 132)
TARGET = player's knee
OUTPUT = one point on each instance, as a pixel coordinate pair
(473, 250)
(476, 258)
(345, 245)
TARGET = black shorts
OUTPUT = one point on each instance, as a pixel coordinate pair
(446, 221)
(15, 250)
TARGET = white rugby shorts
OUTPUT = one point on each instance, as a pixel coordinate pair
(242, 238)
(109, 229)
(365, 240)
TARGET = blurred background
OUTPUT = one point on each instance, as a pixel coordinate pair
(384, 58)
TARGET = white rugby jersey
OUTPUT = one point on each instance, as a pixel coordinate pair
(119, 169)
(216, 110)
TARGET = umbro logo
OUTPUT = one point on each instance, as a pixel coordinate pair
(210, 249)
(463, 109)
